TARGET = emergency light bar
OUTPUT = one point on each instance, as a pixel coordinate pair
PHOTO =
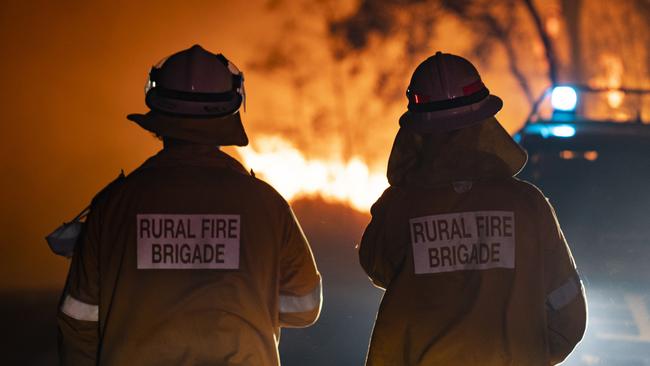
(564, 98)
(562, 131)
(549, 130)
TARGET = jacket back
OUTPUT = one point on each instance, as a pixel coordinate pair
(476, 271)
(190, 261)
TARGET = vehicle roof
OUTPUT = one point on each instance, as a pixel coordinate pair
(594, 105)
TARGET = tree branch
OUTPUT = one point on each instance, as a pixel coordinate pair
(546, 40)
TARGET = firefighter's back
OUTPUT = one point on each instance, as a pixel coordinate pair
(190, 251)
(471, 287)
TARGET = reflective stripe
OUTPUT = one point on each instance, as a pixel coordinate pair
(80, 310)
(300, 304)
(563, 295)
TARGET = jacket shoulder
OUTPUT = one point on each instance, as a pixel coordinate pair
(265, 190)
(526, 187)
(106, 192)
(530, 193)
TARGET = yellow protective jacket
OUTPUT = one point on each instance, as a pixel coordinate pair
(476, 270)
(189, 260)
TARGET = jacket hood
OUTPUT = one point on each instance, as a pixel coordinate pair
(481, 151)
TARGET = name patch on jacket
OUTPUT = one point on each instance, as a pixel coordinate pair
(188, 241)
(463, 241)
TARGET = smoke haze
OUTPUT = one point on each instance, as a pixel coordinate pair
(325, 78)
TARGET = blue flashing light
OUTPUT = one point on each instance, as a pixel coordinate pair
(564, 98)
(546, 131)
(563, 131)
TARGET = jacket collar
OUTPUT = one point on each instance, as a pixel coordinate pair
(194, 155)
(484, 151)
(463, 166)
(222, 131)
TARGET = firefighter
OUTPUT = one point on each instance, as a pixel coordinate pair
(189, 260)
(473, 261)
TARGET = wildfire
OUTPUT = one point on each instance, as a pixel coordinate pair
(293, 175)
(613, 71)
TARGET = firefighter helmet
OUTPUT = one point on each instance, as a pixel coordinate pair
(195, 95)
(195, 82)
(446, 93)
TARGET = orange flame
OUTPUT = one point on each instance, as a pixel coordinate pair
(293, 175)
(613, 78)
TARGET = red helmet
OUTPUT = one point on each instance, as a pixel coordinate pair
(446, 93)
(195, 82)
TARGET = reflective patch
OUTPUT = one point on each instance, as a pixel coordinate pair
(462, 186)
(463, 241)
(563, 295)
(80, 310)
(301, 304)
(188, 241)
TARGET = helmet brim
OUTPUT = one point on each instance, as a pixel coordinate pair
(222, 131)
(496, 140)
(451, 119)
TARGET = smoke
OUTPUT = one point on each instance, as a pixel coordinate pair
(325, 78)
(342, 70)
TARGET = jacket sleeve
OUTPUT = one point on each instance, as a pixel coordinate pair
(78, 312)
(566, 308)
(300, 283)
(381, 255)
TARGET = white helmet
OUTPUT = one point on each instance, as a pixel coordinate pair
(195, 83)
(195, 95)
